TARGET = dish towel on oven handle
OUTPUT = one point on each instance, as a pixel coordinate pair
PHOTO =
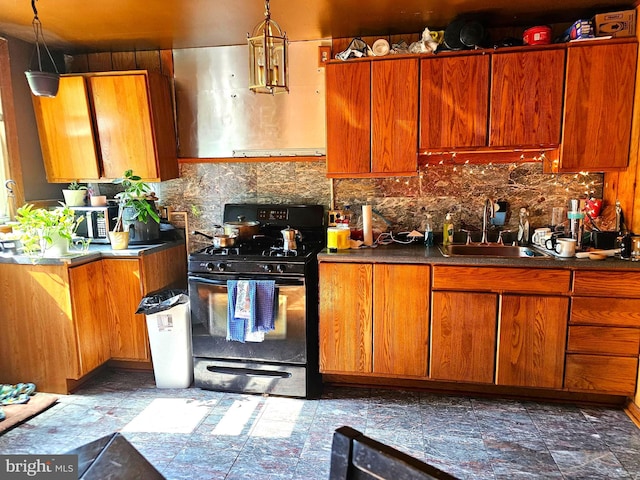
(250, 309)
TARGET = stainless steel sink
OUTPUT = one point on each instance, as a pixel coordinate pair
(494, 250)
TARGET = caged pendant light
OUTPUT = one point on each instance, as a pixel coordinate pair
(41, 83)
(268, 58)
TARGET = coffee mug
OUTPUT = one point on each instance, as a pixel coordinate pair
(539, 235)
(565, 247)
(550, 242)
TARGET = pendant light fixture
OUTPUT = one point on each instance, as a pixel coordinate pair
(42, 84)
(268, 58)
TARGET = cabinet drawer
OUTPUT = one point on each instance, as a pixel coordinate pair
(621, 312)
(605, 340)
(602, 374)
(501, 279)
(601, 284)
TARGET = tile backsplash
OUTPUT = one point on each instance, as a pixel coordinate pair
(401, 202)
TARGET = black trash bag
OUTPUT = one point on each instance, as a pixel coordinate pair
(162, 301)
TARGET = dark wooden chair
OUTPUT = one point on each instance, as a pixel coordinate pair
(355, 456)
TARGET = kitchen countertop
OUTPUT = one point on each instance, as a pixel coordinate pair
(95, 252)
(419, 254)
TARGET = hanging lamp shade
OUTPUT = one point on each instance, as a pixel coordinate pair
(42, 83)
(268, 58)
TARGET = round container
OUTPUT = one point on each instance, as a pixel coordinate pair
(338, 238)
(380, 47)
(540, 35)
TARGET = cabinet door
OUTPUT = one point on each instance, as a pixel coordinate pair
(463, 342)
(90, 316)
(533, 333)
(123, 122)
(345, 317)
(526, 98)
(598, 106)
(66, 133)
(348, 110)
(394, 103)
(454, 101)
(401, 319)
(123, 292)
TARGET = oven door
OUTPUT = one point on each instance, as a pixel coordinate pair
(286, 344)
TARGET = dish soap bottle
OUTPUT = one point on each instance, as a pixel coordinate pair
(428, 233)
(447, 230)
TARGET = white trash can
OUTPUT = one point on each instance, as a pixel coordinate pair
(170, 341)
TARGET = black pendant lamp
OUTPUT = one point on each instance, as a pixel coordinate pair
(41, 83)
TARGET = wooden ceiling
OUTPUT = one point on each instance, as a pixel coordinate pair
(86, 26)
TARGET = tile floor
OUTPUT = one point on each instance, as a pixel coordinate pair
(196, 434)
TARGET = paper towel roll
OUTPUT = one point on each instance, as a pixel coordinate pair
(366, 225)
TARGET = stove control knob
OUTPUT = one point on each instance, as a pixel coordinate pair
(281, 268)
(210, 267)
(222, 267)
(267, 267)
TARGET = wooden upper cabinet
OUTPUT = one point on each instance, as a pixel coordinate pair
(127, 142)
(526, 98)
(102, 124)
(401, 319)
(372, 118)
(66, 133)
(598, 107)
(348, 110)
(394, 104)
(454, 101)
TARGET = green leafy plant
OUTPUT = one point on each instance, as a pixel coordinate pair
(76, 186)
(136, 196)
(40, 227)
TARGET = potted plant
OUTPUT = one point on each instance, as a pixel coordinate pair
(74, 194)
(136, 207)
(45, 232)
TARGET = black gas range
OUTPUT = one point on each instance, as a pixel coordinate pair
(283, 361)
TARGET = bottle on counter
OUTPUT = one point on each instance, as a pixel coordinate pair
(428, 233)
(447, 230)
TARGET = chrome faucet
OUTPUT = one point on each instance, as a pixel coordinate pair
(488, 212)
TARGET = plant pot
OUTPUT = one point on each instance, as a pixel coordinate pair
(43, 84)
(74, 198)
(119, 240)
(58, 248)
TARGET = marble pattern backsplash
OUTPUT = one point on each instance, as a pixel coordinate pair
(403, 202)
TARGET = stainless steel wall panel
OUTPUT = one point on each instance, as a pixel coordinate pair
(217, 113)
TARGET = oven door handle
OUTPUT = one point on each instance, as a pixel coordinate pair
(223, 282)
(248, 372)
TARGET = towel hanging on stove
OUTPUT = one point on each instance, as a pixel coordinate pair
(250, 309)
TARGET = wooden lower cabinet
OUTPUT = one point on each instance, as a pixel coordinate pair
(604, 334)
(463, 341)
(374, 318)
(127, 281)
(59, 322)
(401, 319)
(601, 374)
(53, 322)
(533, 331)
(346, 319)
(485, 331)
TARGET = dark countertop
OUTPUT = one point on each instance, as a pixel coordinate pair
(95, 252)
(419, 254)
